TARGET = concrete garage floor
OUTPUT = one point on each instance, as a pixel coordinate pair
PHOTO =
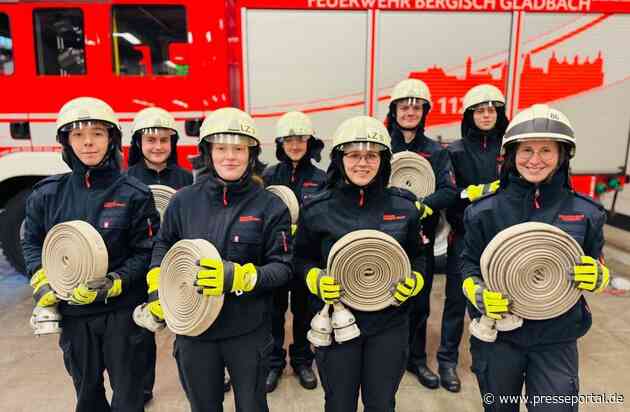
(33, 378)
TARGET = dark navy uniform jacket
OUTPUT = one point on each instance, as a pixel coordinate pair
(445, 189)
(172, 175)
(337, 211)
(476, 160)
(119, 207)
(247, 224)
(553, 203)
(305, 180)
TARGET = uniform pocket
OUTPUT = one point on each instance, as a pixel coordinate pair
(245, 247)
(575, 229)
(396, 229)
(113, 220)
(308, 192)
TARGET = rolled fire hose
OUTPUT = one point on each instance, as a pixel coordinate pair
(289, 199)
(412, 172)
(529, 263)
(186, 311)
(368, 264)
(162, 196)
(73, 253)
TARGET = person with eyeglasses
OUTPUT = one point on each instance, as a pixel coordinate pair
(538, 146)
(476, 163)
(296, 146)
(409, 106)
(357, 196)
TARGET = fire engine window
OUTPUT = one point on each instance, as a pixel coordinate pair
(59, 41)
(6, 46)
(149, 40)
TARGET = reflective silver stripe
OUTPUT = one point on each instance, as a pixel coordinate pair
(40, 292)
(539, 125)
(153, 296)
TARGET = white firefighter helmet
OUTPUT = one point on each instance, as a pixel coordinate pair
(483, 93)
(540, 122)
(229, 125)
(294, 124)
(411, 89)
(362, 129)
(82, 109)
(153, 118)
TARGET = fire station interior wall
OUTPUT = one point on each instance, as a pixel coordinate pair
(298, 60)
(435, 47)
(579, 64)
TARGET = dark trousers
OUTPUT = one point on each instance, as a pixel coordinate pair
(200, 364)
(502, 369)
(454, 307)
(150, 352)
(300, 350)
(109, 341)
(420, 311)
(374, 365)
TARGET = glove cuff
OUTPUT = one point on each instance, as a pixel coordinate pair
(312, 280)
(153, 279)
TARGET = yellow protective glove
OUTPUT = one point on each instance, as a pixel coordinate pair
(409, 287)
(590, 275)
(293, 230)
(154, 305)
(425, 211)
(489, 303)
(323, 285)
(97, 291)
(218, 276)
(475, 192)
(43, 294)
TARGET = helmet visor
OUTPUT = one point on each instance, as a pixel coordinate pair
(299, 138)
(411, 101)
(158, 131)
(482, 105)
(355, 146)
(82, 124)
(231, 138)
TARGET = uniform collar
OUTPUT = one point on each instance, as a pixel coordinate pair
(227, 192)
(547, 192)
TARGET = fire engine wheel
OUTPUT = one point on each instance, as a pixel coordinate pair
(12, 227)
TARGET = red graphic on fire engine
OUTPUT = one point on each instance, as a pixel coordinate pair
(561, 78)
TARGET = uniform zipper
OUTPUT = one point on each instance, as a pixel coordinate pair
(537, 199)
(86, 179)
(225, 199)
(361, 197)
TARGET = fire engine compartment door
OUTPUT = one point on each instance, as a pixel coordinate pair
(477, 53)
(312, 61)
(577, 64)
